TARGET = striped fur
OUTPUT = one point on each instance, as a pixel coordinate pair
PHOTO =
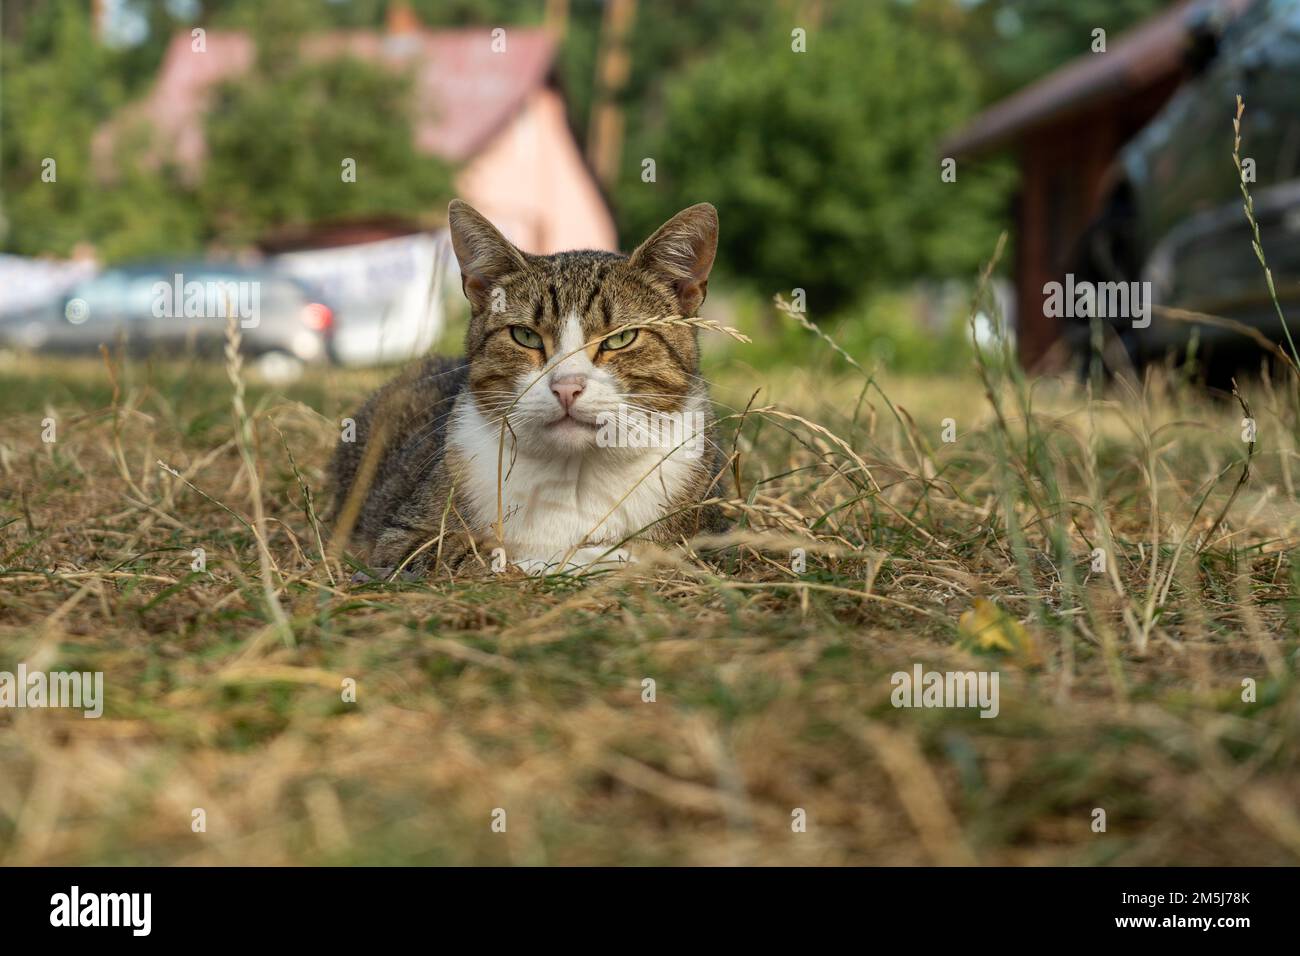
(433, 478)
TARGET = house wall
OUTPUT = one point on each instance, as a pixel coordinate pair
(531, 181)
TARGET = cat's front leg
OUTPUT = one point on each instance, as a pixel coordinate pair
(400, 548)
(419, 553)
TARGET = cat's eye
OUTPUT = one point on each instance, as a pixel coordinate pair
(525, 337)
(619, 340)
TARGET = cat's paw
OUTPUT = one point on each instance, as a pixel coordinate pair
(534, 567)
(599, 558)
(582, 561)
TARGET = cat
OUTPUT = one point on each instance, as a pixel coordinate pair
(433, 480)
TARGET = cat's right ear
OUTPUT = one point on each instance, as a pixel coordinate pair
(485, 256)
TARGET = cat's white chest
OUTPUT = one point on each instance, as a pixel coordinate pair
(551, 506)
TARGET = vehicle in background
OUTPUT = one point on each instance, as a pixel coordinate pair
(183, 307)
(390, 289)
(1174, 215)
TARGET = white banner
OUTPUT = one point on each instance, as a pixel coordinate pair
(387, 295)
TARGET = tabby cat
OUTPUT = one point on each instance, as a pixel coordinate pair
(512, 453)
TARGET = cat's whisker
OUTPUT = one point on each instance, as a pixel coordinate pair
(429, 428)
(674, 448)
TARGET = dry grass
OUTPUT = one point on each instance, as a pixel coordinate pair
(773, 689)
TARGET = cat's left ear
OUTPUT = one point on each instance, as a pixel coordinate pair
(682, 251)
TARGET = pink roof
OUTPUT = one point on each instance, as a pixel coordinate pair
(464, 92)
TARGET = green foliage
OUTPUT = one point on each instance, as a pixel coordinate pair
(823, 164)
(1020, 40)
(277, 141)
(52, 98)
(277, 138)
(664, 38)
(145, 209)
(890, 331)
(895, 331)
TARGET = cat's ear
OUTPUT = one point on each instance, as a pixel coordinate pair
(485, 256)
(682, 251)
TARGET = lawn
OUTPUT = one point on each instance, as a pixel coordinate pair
(1142, 625)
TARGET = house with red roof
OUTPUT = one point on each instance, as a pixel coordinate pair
(487, 104)
(492, 109)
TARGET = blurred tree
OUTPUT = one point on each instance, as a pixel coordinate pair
(823, 164)
(279, 137)
(56, 90)
(1018, 41)
(141, 208)
(666, 35)
(136, 37)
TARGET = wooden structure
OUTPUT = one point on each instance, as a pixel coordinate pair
(1065, 131)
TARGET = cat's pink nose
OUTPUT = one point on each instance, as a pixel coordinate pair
(567, 388)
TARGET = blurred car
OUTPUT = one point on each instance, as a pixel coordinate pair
(183, 307)
(1174, 214)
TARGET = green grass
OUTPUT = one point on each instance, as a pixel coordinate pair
(772, 687)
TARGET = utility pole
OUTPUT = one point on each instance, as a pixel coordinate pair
(613, 65)
(557, 17)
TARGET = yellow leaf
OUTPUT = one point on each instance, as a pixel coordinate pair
(986, 627)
